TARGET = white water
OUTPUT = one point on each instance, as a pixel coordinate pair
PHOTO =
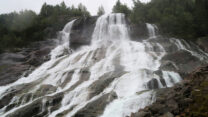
(63, 46)
(151, 30)
(183, 45)
(129, 64)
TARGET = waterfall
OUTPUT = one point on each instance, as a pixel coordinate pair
(151, 30)
(110, 27)
(112, 77)
(64, 42)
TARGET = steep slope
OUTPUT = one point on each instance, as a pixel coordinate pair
(186, 99)
(112, 76)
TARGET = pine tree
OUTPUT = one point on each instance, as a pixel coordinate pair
(101, 11)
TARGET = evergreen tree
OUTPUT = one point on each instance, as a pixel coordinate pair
(101, 11)
(179, 18)
(121, 8)
(83, 10)
(20, 29)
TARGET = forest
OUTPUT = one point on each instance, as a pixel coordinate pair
(20, 29)
(185, 19)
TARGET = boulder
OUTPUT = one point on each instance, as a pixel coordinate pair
(153, 84)
(141, 114)
(168, 114)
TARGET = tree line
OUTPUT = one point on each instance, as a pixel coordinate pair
(186, 19)
(18, 29)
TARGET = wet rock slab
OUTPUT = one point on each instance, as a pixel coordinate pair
(182, 100)
(13, 65)
(181, 61)
(82, 32)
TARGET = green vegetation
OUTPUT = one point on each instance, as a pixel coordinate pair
(121, 8)
(101, 11)
(200, 105)
(20, 29)
(179, 18)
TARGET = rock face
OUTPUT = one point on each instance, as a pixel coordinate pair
(36, 58)
(153, 84)
(35, 108)
(83, 29)
(187, 99)
(82, 32)
(97, 107)
(203, 42)
(180, 56)
(138, 32)
(14, 65)
(180, 61)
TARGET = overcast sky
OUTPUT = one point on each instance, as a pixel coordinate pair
(7, 6)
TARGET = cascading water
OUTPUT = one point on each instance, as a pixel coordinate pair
(112, 77)
(151, 30)
(63, 46)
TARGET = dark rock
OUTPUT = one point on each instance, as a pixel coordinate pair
(180, 62)
(36, 58)
(43, 90)
(168, 114)
(159, 73)
(36, 108)
(153, 84)
(168, 66)
(14, 65)
(12, 73)
(141, 114)
(96, 107)
(67, 79)
(27, 111)
(172, 105)
(82, 31)
(11, 92)
(138, 32)
(85, 75)
(105, 80)
(203, 42)
(155, 108)
(166, 43)
(163, 82)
